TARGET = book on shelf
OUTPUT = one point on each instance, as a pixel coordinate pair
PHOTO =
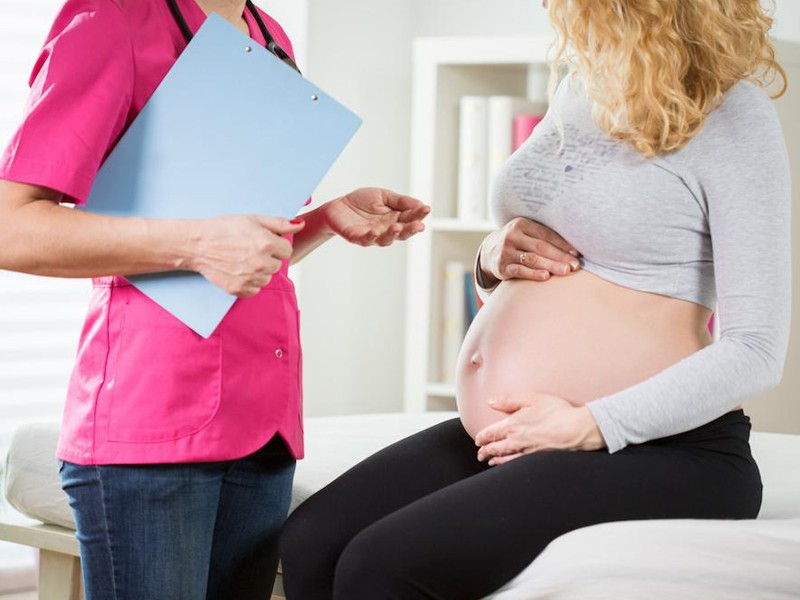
(472, 146)
(471, 299)
(488, 134)
(502, 111)
(459, 307)
(453, 310)
(523, 128)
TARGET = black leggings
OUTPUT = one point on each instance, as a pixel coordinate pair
(424, 519)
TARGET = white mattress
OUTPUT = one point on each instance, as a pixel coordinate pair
(334, 444)
(667, 560)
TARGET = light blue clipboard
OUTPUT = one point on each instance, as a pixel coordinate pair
(231, 130)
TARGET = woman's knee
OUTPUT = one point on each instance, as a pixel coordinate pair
(381, 562)
(310, 545)
(363, 568)
(299, 535)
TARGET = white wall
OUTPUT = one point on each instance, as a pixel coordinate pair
(787, 20)
(480, 17)
(352, 299)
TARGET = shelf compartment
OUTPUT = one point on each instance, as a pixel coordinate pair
(459, 226)
(441, 390)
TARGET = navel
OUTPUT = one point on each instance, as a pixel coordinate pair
(476, 361)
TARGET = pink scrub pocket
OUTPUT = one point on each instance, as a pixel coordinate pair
(165, 379)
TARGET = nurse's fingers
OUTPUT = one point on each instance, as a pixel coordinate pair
(277, 247)
(417, 214)
(361, 235)
(248, 292)
(390, 235)
(246, 287)
(403, 232)
(241, 287)
(280, 226)
(403, 203)
(410, 230)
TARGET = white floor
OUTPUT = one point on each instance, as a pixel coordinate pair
(17, 565)
(17, 571)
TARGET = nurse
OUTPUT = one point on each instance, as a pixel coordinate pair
(177, 452)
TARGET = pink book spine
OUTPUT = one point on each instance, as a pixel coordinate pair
(523, 127)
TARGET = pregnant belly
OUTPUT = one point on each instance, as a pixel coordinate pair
(578, 337)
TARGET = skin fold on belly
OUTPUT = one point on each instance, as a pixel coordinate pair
(578, 337)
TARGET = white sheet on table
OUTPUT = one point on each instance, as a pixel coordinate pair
(667, 560)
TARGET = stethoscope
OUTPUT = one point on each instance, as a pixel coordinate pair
(272, 46)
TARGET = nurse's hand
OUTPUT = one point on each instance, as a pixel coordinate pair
(375, 216)
(241, 253)
(525, 249)
(537, 422)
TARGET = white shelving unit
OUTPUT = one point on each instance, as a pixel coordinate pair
(444, 70)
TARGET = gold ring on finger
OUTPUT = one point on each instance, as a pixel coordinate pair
(522, 257)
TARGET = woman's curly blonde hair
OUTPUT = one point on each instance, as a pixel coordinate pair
(655, 69)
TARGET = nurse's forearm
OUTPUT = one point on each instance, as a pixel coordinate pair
(40, 237)
(316, 232)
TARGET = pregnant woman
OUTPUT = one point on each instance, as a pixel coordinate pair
(596, 395)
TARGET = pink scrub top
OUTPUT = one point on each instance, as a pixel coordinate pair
(146, 389)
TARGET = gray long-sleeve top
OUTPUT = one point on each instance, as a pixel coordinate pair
(708, 223)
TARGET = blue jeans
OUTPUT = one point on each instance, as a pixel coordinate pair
(202, 531)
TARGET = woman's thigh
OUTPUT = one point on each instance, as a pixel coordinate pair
(468, 539)
(321, 527)
(145, 531)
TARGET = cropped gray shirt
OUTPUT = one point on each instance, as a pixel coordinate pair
(709, 223)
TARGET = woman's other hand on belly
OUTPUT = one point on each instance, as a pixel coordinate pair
(525, 249)
(537, 422)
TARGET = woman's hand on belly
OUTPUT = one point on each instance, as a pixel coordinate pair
(537, 422)
(525, 249)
